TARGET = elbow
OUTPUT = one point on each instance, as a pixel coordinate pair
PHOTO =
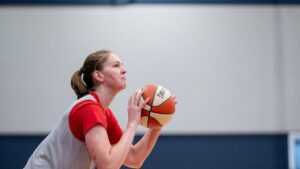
(107, 163)
(108, 166)
(139, 164)
(135, 164)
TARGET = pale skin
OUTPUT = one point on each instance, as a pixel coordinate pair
(109, 82)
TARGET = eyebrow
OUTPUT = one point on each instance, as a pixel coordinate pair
(117, 61)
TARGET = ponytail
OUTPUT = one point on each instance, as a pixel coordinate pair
(78, 85)
(82, 81)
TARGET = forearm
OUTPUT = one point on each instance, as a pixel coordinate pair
(119, 151)
(140, 151)
(146, 144)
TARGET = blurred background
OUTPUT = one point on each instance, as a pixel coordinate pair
(233, 65)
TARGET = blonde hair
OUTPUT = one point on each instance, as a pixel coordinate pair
(82, 80)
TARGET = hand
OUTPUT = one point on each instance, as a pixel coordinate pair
(134, 107)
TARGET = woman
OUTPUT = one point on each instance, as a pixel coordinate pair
(88, 135)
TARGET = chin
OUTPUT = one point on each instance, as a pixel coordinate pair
(122, 87)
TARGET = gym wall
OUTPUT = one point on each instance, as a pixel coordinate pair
(232, 65)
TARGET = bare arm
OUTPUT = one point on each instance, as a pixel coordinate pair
(109, 156)
(140, 151)
(103, 153)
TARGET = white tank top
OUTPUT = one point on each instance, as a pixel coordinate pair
(60, 149)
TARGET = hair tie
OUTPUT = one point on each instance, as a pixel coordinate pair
(82, 79)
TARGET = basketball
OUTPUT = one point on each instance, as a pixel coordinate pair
(160, 108)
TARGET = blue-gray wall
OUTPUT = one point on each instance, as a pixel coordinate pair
(247, 84)
(181, 152)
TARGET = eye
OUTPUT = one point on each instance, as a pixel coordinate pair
(117, 65)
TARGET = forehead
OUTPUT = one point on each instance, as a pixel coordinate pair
(113, 58)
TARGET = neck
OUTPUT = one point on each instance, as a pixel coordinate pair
(105, 95)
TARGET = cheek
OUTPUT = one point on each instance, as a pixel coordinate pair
(112, 76)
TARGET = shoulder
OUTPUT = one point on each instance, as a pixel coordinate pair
(85, 108)
(84, 116)
(86, 104)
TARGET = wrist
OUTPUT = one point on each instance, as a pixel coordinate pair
(132, 125)
(156, 129)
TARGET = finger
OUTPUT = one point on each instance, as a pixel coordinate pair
(129, 100)
(138, 96)
(143, 103)
(147, 100)
(132, 99)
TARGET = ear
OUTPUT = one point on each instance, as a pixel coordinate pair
(98, 76)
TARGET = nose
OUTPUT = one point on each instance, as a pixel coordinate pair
(123, 70)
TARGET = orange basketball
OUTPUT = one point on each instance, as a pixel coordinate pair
(160, 108)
